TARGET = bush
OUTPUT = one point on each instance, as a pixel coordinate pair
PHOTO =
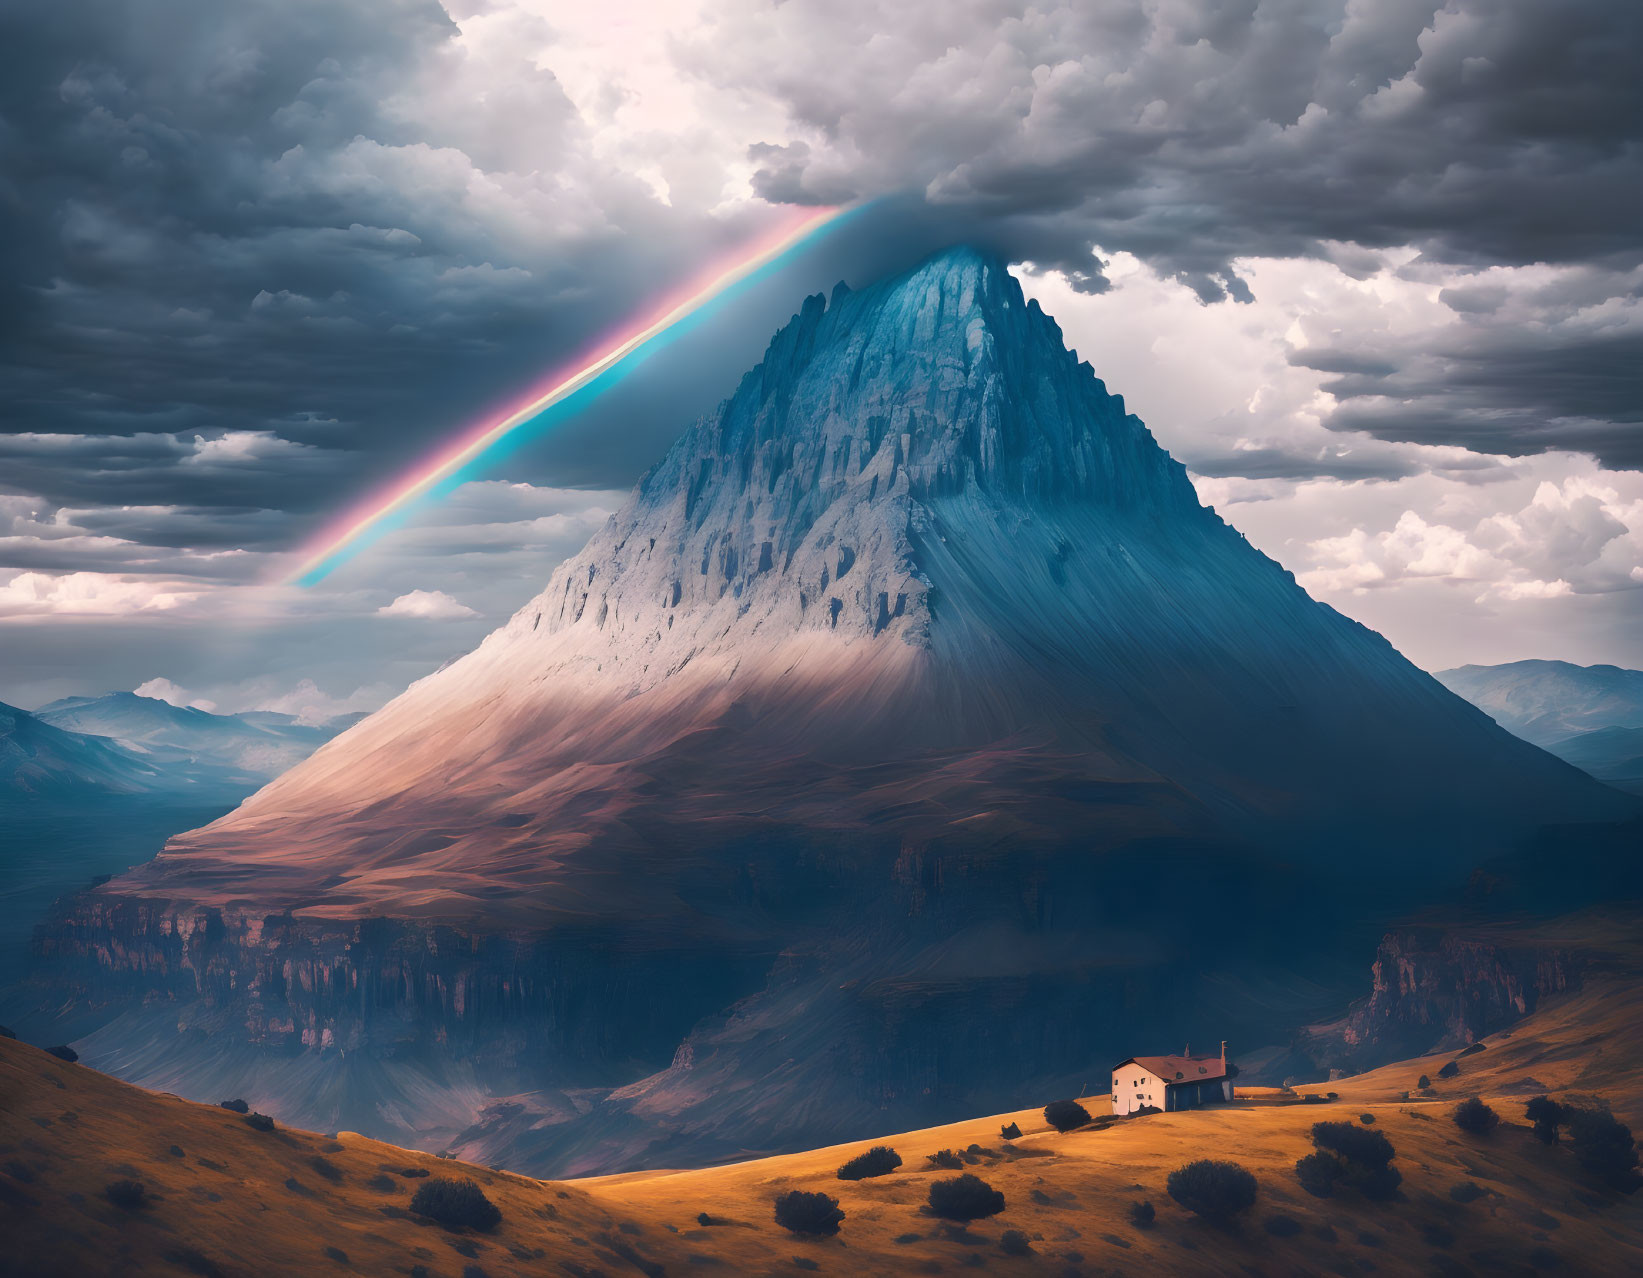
(1318, 1174)
(1604, 1146)
(326, 1168)
(1547, 1116)
(238, 1106)
(1474, 1117)
(64, 1052)
(1216, 1191)
(1353, 1143)
(1377, 1183)
(1010, 1131)
(881, 1160)
(129, 1194)
(965, 1197)
(1368, 1120)
(1450, 1070)
(1064, 1115)
(945, 1158)
(804, 1213)
(1423, 1082)
(1012, 1242)
(260, 1122)
(1142, 1215)
(1471, 1050)
(455, 1203)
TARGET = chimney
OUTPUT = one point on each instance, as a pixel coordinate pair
(1223, 1051)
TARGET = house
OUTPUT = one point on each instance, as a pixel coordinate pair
(1170, 1082)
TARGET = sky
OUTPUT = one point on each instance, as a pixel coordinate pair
(1372, 269)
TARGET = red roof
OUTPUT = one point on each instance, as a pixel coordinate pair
(1180, 1069)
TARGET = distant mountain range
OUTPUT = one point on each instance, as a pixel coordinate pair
(39, 760)
(1590, 716)
(259, 745)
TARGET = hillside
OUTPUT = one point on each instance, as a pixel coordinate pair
(232, 1201)
(42, 762)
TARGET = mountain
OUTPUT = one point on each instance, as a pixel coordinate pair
(39, 760)
(1591, 716)
(910, 736)
(262, 744)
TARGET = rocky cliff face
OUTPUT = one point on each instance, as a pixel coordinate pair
(1438, 990)
(911, 710)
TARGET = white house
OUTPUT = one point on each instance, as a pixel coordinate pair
(1170, 1082)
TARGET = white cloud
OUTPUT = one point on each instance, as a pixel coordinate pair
(433, 605)
(165, 690)
(89, 594)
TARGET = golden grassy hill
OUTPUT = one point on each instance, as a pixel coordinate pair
(227, 1199)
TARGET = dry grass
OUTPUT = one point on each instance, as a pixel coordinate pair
(66, 1132)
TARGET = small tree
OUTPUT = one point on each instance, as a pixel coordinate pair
(1605, 1147)
(1475, 1118)
(1010, 1131)
(1064, 1115)
(1217, 1191)
(1354, 1143)
(1142, 1215)
(455, 1204)
(129, 1194)
(881, 1160)
(1012, 1242)
(965, 1198)
(1318, 1174)
(1423, 1082)
(1450, 1070)
(237, 1105)
(1547, 1116)
(64, 1052)
(803, 1213)
(260, 1122)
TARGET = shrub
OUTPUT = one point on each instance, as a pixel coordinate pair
(1450, 1070)
(804, 1213)
(1547, 1116)
(1064, 1115)
(1217, 1191)
(1423, 1082)
(129, 1194)
(1474, 1117)
(1010, 1131)
(382, 1183)
(1353, 1143)
(965, 1197)
(238, 1106)
(1368, 1120)
(337, 1254)
(1318, 1174)
(1012, 1242)
(945, 1158)
(455, 1203)
(64, 1052)
(176, 1151)
(1333, 1095)
(1142, 1215)
(1471, 1050)
(881, 1160)
(1604, 1146)
(1377, 1183)
(260, 1122)
(326, 1168)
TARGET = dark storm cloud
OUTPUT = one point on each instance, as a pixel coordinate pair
(1194, 133)
(257, 256)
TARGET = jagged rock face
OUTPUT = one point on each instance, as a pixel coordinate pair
(1436, 990)
(915, 704)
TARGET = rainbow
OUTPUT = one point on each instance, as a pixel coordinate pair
(353, 531)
